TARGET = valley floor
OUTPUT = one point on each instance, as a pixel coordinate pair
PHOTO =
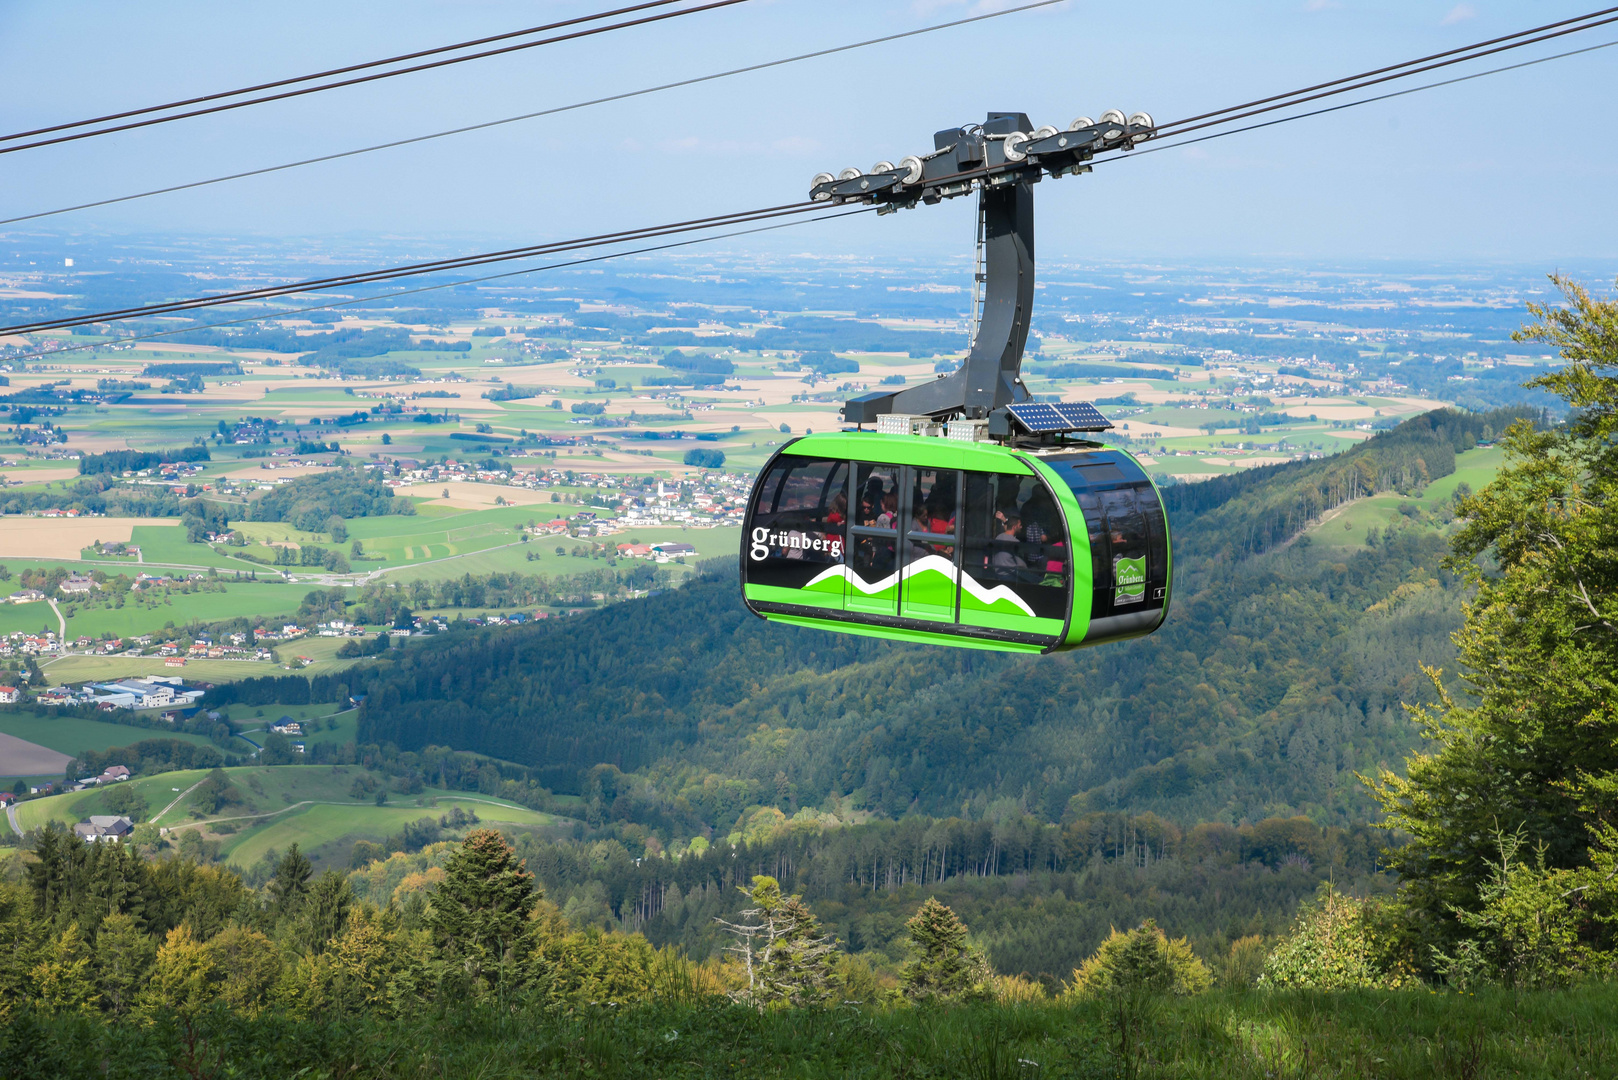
(1230, 1035)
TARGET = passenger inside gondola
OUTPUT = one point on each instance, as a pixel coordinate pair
(1005, 561)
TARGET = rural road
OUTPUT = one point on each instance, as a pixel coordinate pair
(11, 816)
(177, 798)
(61, 622)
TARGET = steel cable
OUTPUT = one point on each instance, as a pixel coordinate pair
(286, 312)
(410, 270)
(626, 95)
(285, 94)
(335, 71)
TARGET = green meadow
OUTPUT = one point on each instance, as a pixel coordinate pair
(72, 734)
(1348, 527)
(273, 806)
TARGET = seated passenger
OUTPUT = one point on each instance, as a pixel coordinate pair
(838, 513)
(1005, 556)
(871, 501)
(936, 515)
(1036, 512)
(889, 517)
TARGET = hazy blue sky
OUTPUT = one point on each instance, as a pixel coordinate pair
(1519, 167)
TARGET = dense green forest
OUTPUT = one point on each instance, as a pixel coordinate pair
(1275, 681)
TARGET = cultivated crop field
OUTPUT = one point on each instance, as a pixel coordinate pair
(71, 734)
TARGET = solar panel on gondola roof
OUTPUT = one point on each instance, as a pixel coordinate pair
(1041, 417)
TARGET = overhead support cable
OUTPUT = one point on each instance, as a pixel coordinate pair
(411, 270)
(1406, 64)
(1172, 143)
(334, 71)
(955, 178)
(359, 79)
(625, 96)
(282, 313)
(1360, 82)
(1058, 152)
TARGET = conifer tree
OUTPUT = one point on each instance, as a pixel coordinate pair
(124, 954)
(291, 881)
(945, 965)
(324, 912)
(787, 959)
(1143, 959)
(479, 916)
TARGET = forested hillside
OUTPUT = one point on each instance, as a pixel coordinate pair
(1278, 677)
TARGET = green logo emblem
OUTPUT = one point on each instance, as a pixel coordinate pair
(1129, 580)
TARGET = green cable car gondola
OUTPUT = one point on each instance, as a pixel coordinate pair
(972, 515)
(927, 539)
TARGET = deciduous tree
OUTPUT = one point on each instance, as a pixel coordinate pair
(1532, 750)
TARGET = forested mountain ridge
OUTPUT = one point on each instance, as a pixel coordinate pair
(1278, 677)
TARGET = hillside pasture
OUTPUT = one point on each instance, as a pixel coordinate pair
(322, 825)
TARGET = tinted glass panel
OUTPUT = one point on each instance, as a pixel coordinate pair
(797, 528)
(877, 495)
(930, 575)
(1126, 538)
(1012, 536)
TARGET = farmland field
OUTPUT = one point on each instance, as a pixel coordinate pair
(62, 538)
(277, 805)
(77, 669)
(71, 734)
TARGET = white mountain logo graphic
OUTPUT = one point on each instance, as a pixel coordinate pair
(930, 564)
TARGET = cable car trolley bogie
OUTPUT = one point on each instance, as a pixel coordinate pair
(961, 511)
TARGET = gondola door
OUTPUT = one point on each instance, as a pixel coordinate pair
(873, 539)
(930, 574)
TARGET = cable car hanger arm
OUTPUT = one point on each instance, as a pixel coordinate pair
(1001, 159)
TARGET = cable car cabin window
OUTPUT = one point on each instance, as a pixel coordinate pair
(798, 528)
(877, 488)
(1128, 541)
(1015, 553)
(873, 583)
(928, 581)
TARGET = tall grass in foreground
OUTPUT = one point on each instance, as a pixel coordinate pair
(1565, 1035)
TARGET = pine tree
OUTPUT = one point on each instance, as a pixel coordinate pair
(291, 881)
(787, 959)
(324, 912)
(124, 954)
(945, 965)
(479, 916)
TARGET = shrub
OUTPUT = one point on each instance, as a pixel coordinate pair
(1334, 944)
(1143, 959)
